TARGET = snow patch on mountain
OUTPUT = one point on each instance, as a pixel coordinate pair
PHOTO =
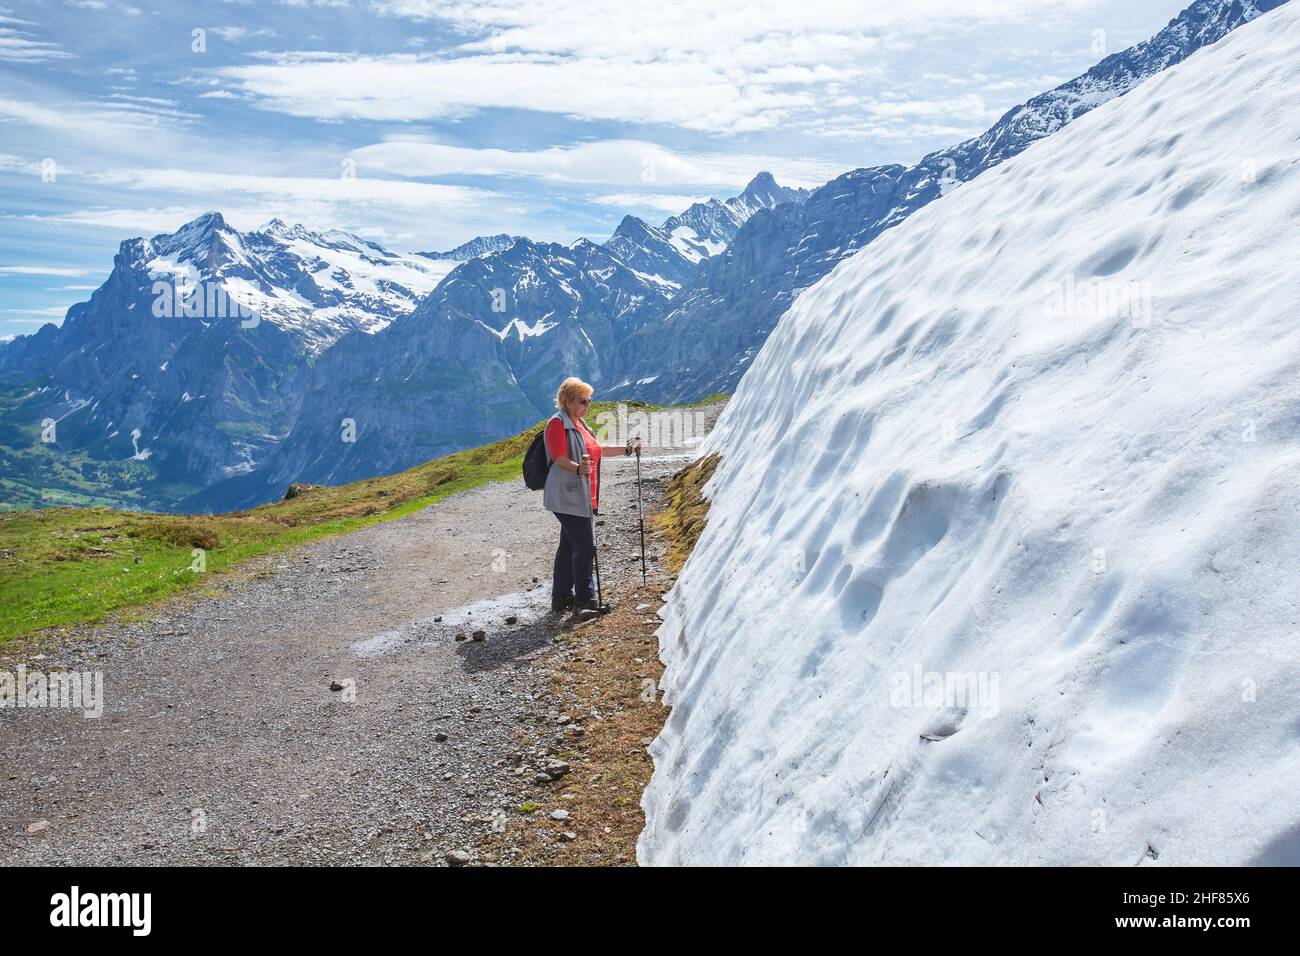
(316, 285)
(999, 567)
(521, 329)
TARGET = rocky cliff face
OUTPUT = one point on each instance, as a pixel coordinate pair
(188, 365)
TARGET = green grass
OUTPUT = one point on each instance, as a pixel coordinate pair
(686, 511)
(69, 565)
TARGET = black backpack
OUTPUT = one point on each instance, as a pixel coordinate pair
(536, 464)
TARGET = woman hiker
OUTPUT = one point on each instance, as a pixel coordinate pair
(572, 492)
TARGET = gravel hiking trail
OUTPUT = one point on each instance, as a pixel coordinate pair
(222, 742)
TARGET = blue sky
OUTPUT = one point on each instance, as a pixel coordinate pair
(420, 124)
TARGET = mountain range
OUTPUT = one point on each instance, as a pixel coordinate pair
(482, 354)
(187, 365)
(347, 360)
(211, 363)
(706, 341)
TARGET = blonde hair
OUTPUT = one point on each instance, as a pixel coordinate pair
(571, 388)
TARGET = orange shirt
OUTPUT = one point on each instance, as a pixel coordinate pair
(557, 446)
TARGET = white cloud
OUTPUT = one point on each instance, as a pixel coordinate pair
(98, 120)
(55, 311)
(144, 100)
(8, 161)
(760, 30)
(149, 221)
(660, 202)
(445, 229)
(338, 189)
(41, 271)
(151, 201)
(239, 34)
(971, 105)
(716, 65)
(611, 162)
(405, 87)
(20, 46)
(898, 134)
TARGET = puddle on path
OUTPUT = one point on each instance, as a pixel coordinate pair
(489, 615)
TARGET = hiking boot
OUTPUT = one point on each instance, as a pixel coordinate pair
(586, 610)
(559, 607)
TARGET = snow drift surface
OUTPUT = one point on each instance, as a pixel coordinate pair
(1041, 441)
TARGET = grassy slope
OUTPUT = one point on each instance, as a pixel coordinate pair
(686, 510)
(64, 566)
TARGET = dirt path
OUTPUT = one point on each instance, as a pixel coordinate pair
(222, 743)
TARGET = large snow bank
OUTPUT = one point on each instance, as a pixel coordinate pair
(1044, 436)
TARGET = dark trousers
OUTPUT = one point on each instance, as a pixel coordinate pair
(573, 559)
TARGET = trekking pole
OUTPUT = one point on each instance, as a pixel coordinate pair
(595, 560)
(640, 510)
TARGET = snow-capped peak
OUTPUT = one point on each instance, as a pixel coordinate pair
(478, 246)
(316, 285)
(706, 228)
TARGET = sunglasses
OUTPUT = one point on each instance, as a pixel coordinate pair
(583, 401)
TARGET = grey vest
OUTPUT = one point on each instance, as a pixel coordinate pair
(565, 493)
